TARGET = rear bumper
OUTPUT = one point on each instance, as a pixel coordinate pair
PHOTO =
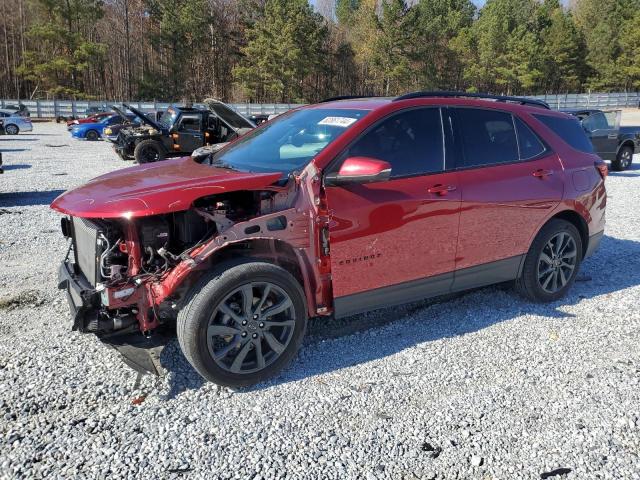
(594, 243)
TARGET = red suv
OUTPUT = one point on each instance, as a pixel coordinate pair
(331, 209)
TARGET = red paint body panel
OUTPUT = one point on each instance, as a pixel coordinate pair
(391, 232)
(155, 188)
(90, 119)
(380, 234)
(503, 207)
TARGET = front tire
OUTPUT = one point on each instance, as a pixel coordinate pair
(148, 151)
(552, 263)
(92, 135)
(242, 324)
(11, 129)
(623, 159)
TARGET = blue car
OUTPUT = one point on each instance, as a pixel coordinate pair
(93, 131)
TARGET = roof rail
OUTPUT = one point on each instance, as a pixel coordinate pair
(497, 98)
(345, 97)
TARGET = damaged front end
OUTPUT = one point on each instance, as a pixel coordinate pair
(127, 277)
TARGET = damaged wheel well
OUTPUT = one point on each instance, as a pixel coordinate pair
(272, 251)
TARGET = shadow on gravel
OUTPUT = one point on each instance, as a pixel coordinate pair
(614, 267)
(17, 166)
(629, 172)
(11, 139)
(3, 150)
(26, 199)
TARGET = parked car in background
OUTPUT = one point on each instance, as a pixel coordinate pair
(89, 112)
(93, 130)
(111, 132)
(334, 209)
(179, 131)
(15, 123)
(20, 110)
(2, 132)
(259, 118)
(611, 141)
(95, 118)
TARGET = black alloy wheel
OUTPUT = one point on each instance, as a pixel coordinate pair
(557, 262)
(251, 327)
(243, 322)
(552, 262)
(623, 159)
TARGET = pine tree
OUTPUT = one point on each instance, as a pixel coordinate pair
(628, 63)
(61, 50)
(285, 46)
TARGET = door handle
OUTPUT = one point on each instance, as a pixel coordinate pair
(613, 136)
(440, 189)
(542, 173)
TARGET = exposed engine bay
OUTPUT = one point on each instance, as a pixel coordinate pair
(166, 240)
(139, 270)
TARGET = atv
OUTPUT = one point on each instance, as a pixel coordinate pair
(179, 131)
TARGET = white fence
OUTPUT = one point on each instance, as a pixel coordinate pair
(595, 100)
(56, 108)
(65, 108)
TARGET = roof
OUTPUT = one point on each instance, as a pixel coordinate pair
(357, 103)
(186, 109)
(374, 103)
(440, 94)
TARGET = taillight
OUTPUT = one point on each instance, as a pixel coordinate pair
(602, 168)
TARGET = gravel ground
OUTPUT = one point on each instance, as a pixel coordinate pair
(482, 386)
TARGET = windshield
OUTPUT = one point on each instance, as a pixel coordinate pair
(228, 115)
(168, 118)
(289, 142)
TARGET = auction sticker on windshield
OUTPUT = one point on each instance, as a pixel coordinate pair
(337, 121)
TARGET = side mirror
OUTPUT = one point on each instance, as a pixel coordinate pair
(360, 170)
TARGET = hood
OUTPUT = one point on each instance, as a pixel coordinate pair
(155, 188)
(125, 117)
(145, 119)
(229, 116)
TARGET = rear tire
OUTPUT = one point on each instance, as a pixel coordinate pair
(623, 159)
(11, 129)
(242, 323)
(552, 263)
(148, 151)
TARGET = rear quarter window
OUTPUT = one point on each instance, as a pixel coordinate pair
(570, 130)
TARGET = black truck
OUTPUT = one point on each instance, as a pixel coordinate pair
(611, 141)
(179, 131)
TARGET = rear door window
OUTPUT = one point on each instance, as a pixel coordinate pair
(529, 144)
(596, 121)
(569, 129)
(190, 123)
(488, 137)
(411, 141)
